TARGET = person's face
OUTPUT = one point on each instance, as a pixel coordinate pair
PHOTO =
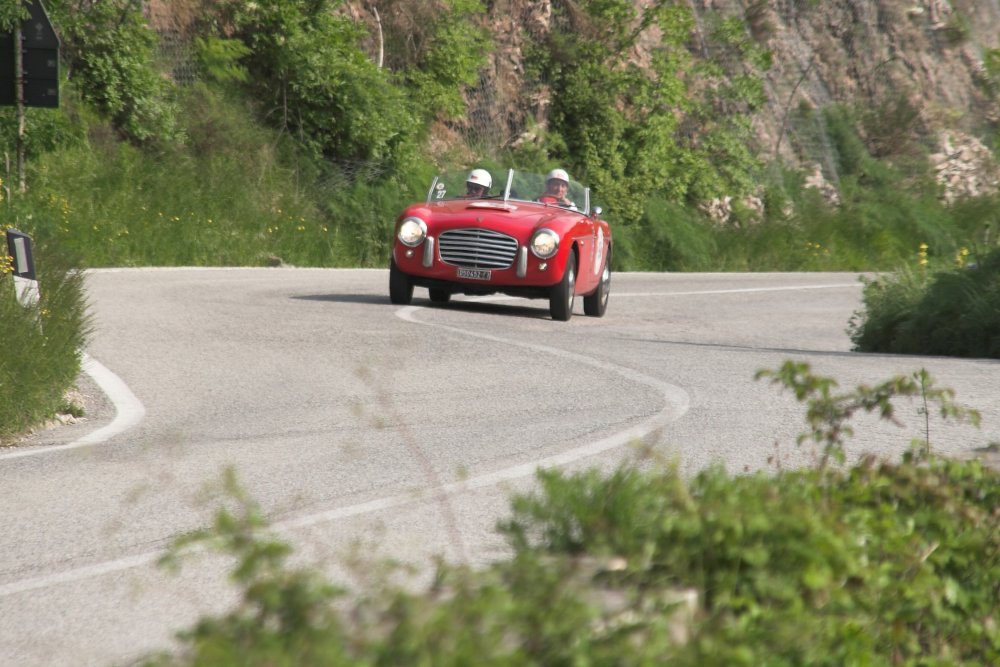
(558, 187)
(475, 190)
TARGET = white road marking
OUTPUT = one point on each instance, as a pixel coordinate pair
(79, 574)
(676, 402)
(129, 411)
(740, 291)
(618, 295)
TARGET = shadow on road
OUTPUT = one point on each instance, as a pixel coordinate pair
(512, 309)
(374, 299)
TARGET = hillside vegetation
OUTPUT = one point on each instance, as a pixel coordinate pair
(254, 133)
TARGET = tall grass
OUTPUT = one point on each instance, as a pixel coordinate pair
(233, 194)
(40, 345)
(952, 312)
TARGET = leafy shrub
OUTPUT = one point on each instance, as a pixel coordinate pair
(44, 129)
(632, 131)
(109, 49)
(953, 313)
(877, 563)
(11, 12)
(870, 565)
(437, 49)
(313, 81)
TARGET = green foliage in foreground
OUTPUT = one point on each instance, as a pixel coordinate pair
(879, 563)
(40, 345)
(954, 312)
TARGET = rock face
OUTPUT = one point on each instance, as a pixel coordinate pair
(913, 67)
(913, 70)
(964, 167)
(916, 66)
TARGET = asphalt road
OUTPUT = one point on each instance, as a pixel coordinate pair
(367, 430)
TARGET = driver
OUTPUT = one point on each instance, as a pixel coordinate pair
(478, 183)
(557, 189)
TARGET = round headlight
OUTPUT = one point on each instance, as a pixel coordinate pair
(412, 232)
(544, 243)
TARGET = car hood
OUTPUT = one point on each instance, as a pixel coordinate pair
(510, 215)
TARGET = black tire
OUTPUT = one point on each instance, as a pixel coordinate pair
(595, 304)
(439, 296)
(400, 285)
(562, 295)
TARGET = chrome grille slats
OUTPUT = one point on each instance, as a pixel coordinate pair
(477, 248)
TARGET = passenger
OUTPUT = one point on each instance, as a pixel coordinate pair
(557, 189)
(478, 183)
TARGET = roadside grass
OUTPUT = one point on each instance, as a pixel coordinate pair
(877, 562)
(877, 230)
(234, 194)
(40, 345)
(224, 199)
(237, 194)
(953, 312)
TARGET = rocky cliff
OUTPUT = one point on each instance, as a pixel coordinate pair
(914, 69)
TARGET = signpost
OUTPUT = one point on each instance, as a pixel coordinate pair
(29, 70)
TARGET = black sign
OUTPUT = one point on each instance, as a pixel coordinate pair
(19, 248)
(37, 30)
(39, 64)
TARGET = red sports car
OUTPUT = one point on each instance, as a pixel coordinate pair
(531, 236)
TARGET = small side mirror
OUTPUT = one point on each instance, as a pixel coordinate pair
(597, 211)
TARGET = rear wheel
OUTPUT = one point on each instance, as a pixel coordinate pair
(439, 296)
(562, 295)
(595, 304)
(400, 285)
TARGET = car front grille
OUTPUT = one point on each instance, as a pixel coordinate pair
(477, 248)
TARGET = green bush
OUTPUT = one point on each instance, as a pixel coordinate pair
(109, 49)
(312, 80)
(870, 565)
(953, 313)
(875, 563)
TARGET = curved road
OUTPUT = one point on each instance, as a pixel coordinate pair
(368, 429)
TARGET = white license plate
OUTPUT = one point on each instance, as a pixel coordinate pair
(475, 274)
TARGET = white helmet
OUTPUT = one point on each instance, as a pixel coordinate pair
(480, 177)
(558, 173)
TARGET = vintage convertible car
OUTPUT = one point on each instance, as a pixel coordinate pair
(506, 240)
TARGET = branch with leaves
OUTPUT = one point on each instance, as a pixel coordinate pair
(828, 413)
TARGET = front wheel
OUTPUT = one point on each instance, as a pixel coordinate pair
(563, 294)
(400, 285)
(596, 303)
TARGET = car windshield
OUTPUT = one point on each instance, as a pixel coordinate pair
(509, 186)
